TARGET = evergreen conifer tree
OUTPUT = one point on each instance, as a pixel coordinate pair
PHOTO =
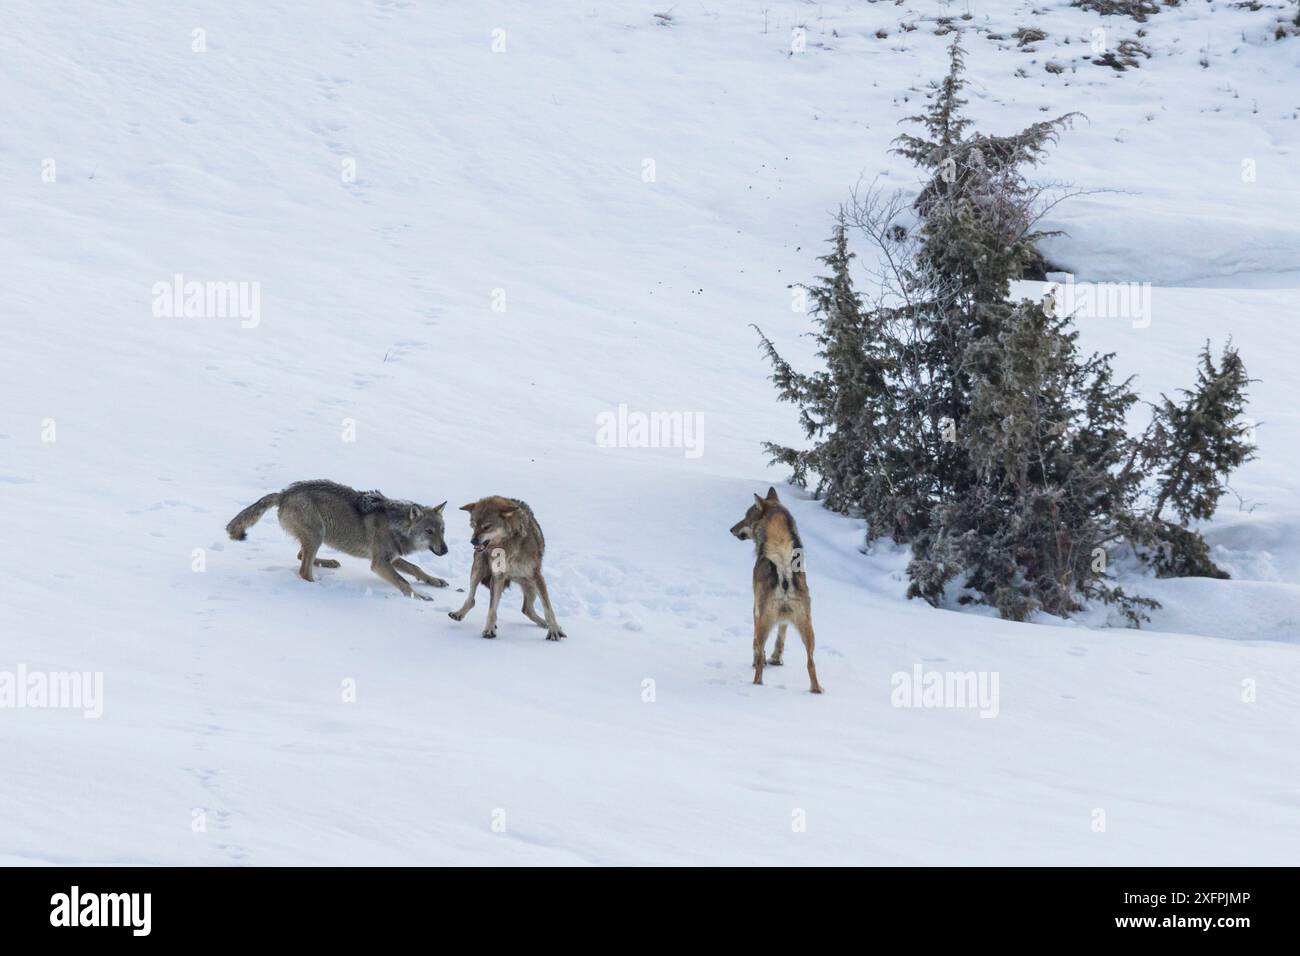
(950, 416)
(840, 406)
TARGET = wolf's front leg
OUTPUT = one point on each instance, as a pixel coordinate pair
(386, 571)
(498, 585)
(477, 572)
(417, 572)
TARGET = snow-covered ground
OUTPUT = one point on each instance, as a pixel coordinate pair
(476, 227)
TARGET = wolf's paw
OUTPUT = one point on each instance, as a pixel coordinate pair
(490, 632)
(327, 563)
(435, 582)
(774, 661)
(817, 689)
(555, 634)
(456, 615)
(422, 597)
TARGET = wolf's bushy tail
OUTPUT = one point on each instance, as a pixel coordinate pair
(240, 523)
(781, 548)
(784, 561)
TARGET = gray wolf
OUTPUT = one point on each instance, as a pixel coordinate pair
(780, 585)
(508, 547)
(364, 524)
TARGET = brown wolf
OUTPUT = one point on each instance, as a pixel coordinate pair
(364, 524)
(508, 547)
(780, 585)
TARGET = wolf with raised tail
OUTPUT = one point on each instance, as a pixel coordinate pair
(780, 586)
(364, 524)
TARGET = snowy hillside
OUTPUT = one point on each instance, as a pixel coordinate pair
(474, 230)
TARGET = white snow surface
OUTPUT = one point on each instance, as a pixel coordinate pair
(225, 737)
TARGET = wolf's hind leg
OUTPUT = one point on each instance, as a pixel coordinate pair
(762, 628)
(307, 556)
(530, 595)
(777, 659)
(804, 624)
(553, 631)
(418, 572)
(304, 523)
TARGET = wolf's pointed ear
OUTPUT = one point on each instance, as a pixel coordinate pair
(468, 507)
(438, 510)
(415, 514)
(759, 500)
(506, 513)
(771, 494)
